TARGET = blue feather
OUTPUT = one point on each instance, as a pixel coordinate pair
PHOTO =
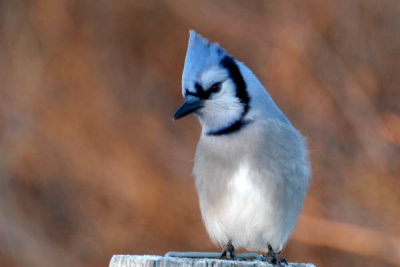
(200, 54)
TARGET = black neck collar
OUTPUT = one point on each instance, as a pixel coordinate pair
(232, 128)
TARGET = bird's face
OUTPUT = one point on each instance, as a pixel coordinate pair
(212, 98)
(214, 89)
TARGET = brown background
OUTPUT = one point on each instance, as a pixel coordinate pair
(92, 165)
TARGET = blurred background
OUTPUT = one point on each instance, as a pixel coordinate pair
(92, 164)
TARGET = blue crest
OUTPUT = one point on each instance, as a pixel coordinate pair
(200, 54)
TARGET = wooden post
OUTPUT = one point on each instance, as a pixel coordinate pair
(160, 261)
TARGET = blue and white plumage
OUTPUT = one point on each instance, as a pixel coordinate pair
(251, 167)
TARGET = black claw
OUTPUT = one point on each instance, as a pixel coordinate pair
(283, 261)
(228, 252)
(271, 257)
(223, 254)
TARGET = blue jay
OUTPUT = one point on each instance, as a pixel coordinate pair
(251, 167)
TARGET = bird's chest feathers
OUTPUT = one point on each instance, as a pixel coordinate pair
(231, 193)
(223, 173)
(236, 209)
(243, 191)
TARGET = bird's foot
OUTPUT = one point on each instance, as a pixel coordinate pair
(272, 258)
(228, 252)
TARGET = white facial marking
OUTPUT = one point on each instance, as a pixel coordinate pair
(213, 75)
(222, 109)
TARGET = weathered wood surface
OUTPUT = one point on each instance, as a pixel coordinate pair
(160, 261)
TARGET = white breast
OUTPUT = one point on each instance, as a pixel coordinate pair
(244, 214)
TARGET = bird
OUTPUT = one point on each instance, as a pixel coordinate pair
(251, 166)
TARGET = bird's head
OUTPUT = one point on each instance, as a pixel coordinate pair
(213, 87)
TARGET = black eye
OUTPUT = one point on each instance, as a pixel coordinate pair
(215, 88)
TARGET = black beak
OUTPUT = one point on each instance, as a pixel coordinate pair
(190, 105)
